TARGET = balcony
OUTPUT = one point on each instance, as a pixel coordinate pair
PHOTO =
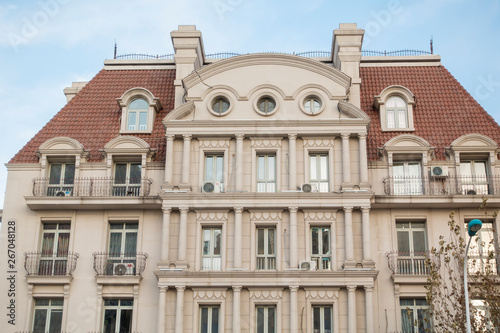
(411, 263)
(92, 187)
(449, 185)
(119, 265)
(48, 268)
(483, 263)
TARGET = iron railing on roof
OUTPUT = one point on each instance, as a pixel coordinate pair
(411, 263)
(48, 264)
(222, 55)
(92, 187)
(449, 185)
(119, 264)
(144, 56)
(398, 53)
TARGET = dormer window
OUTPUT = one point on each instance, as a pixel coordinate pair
(138, 115)
(395, 104)
(139, 108)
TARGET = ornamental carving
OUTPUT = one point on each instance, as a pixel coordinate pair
(208, 295)
(266, 294)
(211, 216)
(318, 143)
(218, 144)
(264, 216)
(322, 295)
(266, 143)
(320, 216)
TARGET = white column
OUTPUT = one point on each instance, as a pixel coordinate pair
(186, 159)
(349, 239)
(179, 309)
(169, 162)
(236, 309)
(98, 311)
(351, 309)
(369, 309)
(294, 327)
(239, 162)
(366, 234)
(292, 162)
(363, 159)
(182, 234)
(165, 235)
(346, 159)
(162, 309)
(237, 236)
(65, 307)
(293, 237)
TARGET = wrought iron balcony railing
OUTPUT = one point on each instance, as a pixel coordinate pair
(410, 263)
(92, 187)
(119, 264)
(49, 264)
(449, 185)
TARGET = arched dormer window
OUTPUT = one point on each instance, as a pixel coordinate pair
(395, 104)
(139, 108)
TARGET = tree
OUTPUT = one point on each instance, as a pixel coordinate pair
(445, 291)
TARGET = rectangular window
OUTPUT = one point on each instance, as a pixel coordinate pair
(266, 319)
(48, 315)
(209, 319)
(266, 248)
(122, 248)
(61, 179)
(118, 315)
(143, 121)
(319, 172)
(412, 248)
(474, 177)
(320, 247)
(407, 178)
(54, 251)
(482, 255)
(212, 245)
(415, 316)
(322, 319)
(266, 173)
(127, 180)
(132, 115)
(214, 170)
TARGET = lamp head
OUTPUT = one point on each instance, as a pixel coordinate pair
(474, 227)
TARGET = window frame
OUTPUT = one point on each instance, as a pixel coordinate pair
(412, 262)
(49, 309)
(317, 182)
(266, 308)
(266, 256)
(317, 145)
(322, 307)
(211, 256)
(130, 186)
(54, 256)
(469, 183)
(380, 103)
(321, 256)
(154, 106)
(407, 184)
(414, 308)
(266, 181)
(119, 308)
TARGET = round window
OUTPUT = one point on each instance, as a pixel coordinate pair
(220, 105)
(266, 105)
(312, 104)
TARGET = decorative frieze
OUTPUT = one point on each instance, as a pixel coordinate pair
(266, 294)
(266, 143)
(213, 144)
(211, 216)
(266, 216)
(320, 216)
(322, 294)
(209, 295)
(318, 143)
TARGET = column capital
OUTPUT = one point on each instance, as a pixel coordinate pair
(180, 288)
(170, 137)
(187, 137)
(293, 288)
(162, 289)
(184, 209)
(351, 288)
(348, 209)
(166, 210)
(237, 288)
(362, 136)
(239, 136)
(365, 209)
(345, 136)
(293, 209)
(238, 210)
(368, 289)
(292, 136)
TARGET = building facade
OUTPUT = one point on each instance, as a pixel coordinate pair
(256, 193)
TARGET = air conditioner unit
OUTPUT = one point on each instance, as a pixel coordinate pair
(307, 265)
(306, 188)
(123, 268)
(60, 194)
(439, 171)
(211, 187)
(471, 192)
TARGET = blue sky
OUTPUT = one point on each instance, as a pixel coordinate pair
(47, 44)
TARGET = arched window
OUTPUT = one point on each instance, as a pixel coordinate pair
(137, 115)
(397, 115)
(139, 109)
(395, 104)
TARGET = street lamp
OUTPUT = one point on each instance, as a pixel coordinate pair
(472, 228)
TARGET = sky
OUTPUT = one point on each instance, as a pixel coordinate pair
(45, 45)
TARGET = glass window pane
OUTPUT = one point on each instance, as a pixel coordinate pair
(126, 321)
(204, 320)
(120, 173)
(127, 302)
(39, 320)
(271, 167)
(132, 120)
(69, 173)
(316, 319)
(398, 170)
(260, 241)
(215, 320)
(465, 168)
(402, 118)
(261, 168)
(55, 173)
(115, 244)
(480, 168)
(217, 242)
(260, 319)
(206, 241)
(57, 302)
(328, 318)
(314, 169)
(209, 168)
(109, 321)
(138, 104)
(143, 120)
(270, 246)
(63, 244)
(219, 168)
(135, 173)
(326, 240)
(391, 121)
(130, 243)
(315, 241)
(271, 320)
(48, 243)
(55, 321)
(414, 170)
(111, 302)
(403, 241)
(419, 241)
(324, 167)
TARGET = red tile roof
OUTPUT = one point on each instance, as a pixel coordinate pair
(93, 116)
(443, 111)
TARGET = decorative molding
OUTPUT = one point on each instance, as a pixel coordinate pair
(320, 216)
(211, 216)
(209, 295)
(180, 112)
(407, 140)
(474, 140)
(266, 143)
(322, 294)
(266, 216)
(318, 143)
(352, 110)
(133, 93)
(266, 294)
(211, 144)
